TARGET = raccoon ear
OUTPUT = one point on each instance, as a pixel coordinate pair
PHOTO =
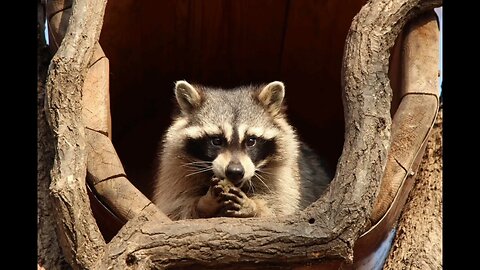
(271, 96)
(187, 96)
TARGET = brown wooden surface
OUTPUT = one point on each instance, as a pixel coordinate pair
(419, 240)
(418, 244)
(418, 108)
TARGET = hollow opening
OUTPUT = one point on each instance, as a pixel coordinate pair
(151, 44)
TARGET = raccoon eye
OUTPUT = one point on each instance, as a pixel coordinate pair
(251, 141)
(216, 141)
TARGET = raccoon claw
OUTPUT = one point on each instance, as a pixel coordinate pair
(231, 206)
(217, 191)
(237, 192)
(238, 214)
(239, 211)
(233, 198)
(214, 181)
(220, 186)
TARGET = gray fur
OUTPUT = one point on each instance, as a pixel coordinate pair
(233, 106)
(292, 178)
(315, 178)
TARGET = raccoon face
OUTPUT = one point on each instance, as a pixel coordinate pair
(231, 132)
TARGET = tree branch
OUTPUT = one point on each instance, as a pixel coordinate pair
(80, 238)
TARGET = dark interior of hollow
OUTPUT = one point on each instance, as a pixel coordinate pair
(150, 44)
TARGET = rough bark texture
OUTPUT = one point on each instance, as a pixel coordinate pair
(367, 92)
(418, 243)
(49, 255)
(80, 238)
(325, 231)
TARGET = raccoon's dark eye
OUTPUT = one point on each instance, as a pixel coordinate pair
(217, 141)
(251, 141)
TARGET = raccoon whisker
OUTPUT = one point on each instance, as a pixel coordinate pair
(203, 169)
(200, 168)
(197, 163)
(241, 185)
(264, 171)
(250, 186)
(199, 171)
(261, 178)
(197, 167)
(247, 182)
(259, 174)
(193, 170)
(191, 174)
(200, 161)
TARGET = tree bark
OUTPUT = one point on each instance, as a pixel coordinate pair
(78, 233)
(49, 254)
(418, 243)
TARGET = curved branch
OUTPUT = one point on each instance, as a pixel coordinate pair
(105, 172)
(418, 108)
(81, 240)
(109, 181)
(367, 93)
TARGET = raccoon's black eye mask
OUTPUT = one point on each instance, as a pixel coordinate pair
(205, 148)
(209, 147)
(261, 150)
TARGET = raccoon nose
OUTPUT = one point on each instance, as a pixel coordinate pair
(234, 172)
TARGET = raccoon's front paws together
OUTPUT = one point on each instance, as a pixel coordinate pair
(223, 199)
(235, 203)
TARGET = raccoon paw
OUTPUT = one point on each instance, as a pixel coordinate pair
(237, 204)
(209, 204)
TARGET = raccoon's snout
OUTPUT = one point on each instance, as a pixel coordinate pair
(235, 172)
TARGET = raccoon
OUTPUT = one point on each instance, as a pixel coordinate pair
(232, 153)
